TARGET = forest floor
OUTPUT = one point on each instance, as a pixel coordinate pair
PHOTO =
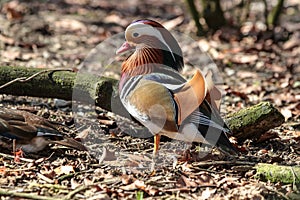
(254, 65)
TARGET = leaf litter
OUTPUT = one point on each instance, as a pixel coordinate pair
(255, 67)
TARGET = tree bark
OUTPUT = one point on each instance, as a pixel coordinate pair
(252, 122)
(195, 14)
(213, 14)
(102, 91)
(273, 16)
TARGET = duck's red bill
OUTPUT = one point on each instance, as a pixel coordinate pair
(125, 47)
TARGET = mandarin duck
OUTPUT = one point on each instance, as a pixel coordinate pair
(32, 133)
(155, 94)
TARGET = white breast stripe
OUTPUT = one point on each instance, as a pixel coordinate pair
(129, 86)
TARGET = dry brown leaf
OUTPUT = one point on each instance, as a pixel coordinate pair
(29, 56)
(113, 18)
(228, 182)
(127, 179)
(233, 50)
(286, 112)
(48, 173)
(7, 40)
(74, 183)
(204, 45)
(294, 41)
(188, 182)
(64, 169)
(2, 170)
(107, 122)
(173, 23)
(151, 191)
(139, 158)
(87, 181)
(244, 58)
(267, 136)
(44, 178)
(84, 134)
(207, 193)
(186, 167)
(110, 155)
(246, 74)
(140, 184)
(178, 189)
(13, 10)
(204, 179)
(131, 163)
(11, 54)
(275, 67)
(131, 186)
(70, 25)
(296, 133)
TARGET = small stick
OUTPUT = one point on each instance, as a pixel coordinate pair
(24, 79)
(25, 195)
(22, 159)
(222, 163)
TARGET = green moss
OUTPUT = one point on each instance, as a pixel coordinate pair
(249, 115)
(253, 121)
(278, 173)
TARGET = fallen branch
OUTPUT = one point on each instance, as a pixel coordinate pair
(61, 84)
(252, 122)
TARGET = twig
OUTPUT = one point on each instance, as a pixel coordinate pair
(277, 192)
(24, 79)
(22, 159)
(77, 190)
(51, 186)
(14, 149)
(25, 195)
(21, 169)
(44, 178)
(61, 178)
(295, 177)
(223, 163)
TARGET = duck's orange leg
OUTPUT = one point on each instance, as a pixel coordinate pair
(156, 144)
(155, 152)
(17, 154)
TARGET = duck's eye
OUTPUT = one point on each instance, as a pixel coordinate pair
(135, 34)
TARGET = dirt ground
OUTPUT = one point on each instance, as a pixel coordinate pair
(254, 65)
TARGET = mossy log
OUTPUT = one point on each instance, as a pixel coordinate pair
(252, 122)
(278, 173)
(61, 84)
(101, 91)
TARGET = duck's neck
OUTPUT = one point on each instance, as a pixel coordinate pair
(142, 61)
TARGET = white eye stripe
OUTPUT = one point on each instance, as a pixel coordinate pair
(145, 29)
